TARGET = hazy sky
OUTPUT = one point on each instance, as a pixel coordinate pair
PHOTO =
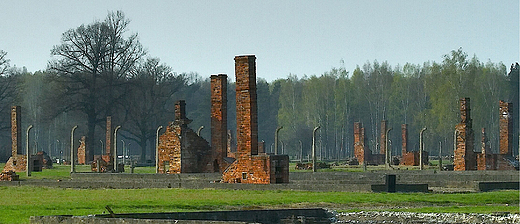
(287, 37)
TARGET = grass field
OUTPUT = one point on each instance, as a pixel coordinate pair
(19, 203)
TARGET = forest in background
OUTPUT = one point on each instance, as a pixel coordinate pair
(99, 70)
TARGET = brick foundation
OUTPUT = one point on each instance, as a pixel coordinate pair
(181, 150)
(219, 120)
(250, 166)
(410, 158)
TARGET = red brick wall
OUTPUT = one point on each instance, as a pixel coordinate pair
(259, 169)
(506, 127)
(81, 151)
(182, 149)
(16, 130)
(410, 159)
(170, 150)
(17, 163)
(219, 119)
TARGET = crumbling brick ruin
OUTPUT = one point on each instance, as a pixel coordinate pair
(82, 157)
(181, 150)
(219, 137)
(105, 163)
(382, 140)
(410, 158)
(485, 160)
(506, 128)
(464, 157)
(250, 166)
(503, 160)
(18, 162)
(361, 150)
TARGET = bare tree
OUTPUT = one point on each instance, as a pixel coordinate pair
(92, 65)
(149, 103)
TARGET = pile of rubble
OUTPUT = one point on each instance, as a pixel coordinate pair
(426, 218)
(9, 176)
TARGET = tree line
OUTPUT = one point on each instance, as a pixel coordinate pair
(99, 70)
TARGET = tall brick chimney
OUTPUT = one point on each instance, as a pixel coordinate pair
(180, 114)
(404, 139)
(506, 128)
(464, 158)
(219, 119)
(16, 130)
(360, 150)
(247, 117)
(382, 140)
(108, 134)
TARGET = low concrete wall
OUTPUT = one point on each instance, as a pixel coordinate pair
(401, 188)
(316, 215)
(320, 181)
(490, 186)
(92, 220)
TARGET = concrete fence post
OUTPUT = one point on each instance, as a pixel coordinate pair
(157, 149)
(28, 165)
(115, 147)
(440, 156)
(72, 168)
(421, 149)
(276, 140)
(314, 148)
(387, 152)
(199, 130)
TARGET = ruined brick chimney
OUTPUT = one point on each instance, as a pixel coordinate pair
(404, 139)
(506, 128)
(382, 140)
(360, 150)
(16, 131)
(247, 117)
(250, 166)
(108, 141)
(180, 114)
(464, 157)
(219, 119)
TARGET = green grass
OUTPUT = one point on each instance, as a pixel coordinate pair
(19, 203)
(63, 172)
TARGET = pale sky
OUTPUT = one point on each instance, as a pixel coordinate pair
(288, 37)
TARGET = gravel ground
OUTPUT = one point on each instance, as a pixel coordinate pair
(424, 218)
